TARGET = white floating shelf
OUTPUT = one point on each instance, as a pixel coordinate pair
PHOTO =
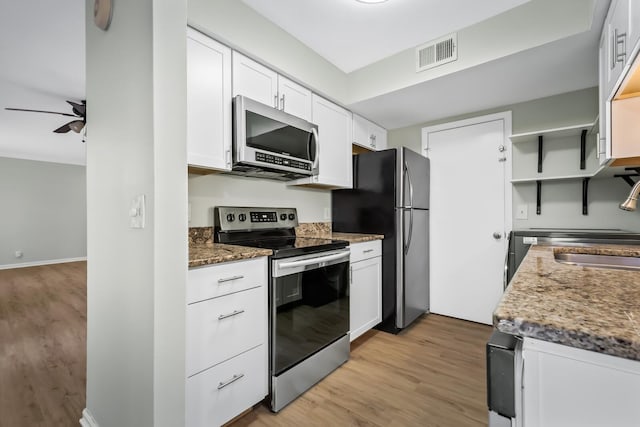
(554, 133)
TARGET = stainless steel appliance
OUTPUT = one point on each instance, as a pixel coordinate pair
(391, 197)
(521, 240)
(270, 143)
(504, 379)
(308, 296)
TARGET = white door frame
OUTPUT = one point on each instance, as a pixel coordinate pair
(506, 123)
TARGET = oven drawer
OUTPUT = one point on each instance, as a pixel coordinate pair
(221, 328)
(222, 279)
(216, 395)
(365, 250)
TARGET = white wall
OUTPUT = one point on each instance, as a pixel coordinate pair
(208, 191)
(136, 145)
(43, 212)
(561, 201)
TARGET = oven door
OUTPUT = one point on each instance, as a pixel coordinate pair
(309, 305)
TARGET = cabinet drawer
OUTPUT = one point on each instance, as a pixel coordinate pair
(365, 250)
(221, 328)
(209, 402)
(222, 279)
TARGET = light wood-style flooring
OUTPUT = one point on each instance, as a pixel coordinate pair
(431, 375)
(43, 318)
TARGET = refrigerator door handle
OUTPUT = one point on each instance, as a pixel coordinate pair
(408, 175)
(406, 248)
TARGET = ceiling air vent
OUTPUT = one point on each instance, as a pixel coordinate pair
(437, 52)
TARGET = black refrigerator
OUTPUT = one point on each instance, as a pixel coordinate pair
(390, 196)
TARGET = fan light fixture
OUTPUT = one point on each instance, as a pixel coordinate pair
(371, 1)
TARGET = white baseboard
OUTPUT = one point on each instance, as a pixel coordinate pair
(37, 263)
(87, 419)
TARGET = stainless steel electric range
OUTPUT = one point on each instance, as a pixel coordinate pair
(308, 296)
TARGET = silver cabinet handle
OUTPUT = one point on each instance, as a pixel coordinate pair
(275, 101)
(226, 316)
(235, 378)
(282, 100)
(619, 40)
(228, 157)
(229, 279)
(367, 251)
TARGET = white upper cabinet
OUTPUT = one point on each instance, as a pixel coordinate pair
(634, 24)
(368, 134)
(617, 27)
(334, 142)
(264, 85)
(208, 102)
(254, 80)
(294, 99)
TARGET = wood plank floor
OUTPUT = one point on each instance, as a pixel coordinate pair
(43, 321)
(432, 374)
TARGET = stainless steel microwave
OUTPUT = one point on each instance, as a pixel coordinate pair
(270, 143)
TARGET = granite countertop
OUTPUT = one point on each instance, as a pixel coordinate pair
(590, 308)
(213, 253)
(356, 237)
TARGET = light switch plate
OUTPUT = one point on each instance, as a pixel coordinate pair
(522, 212)
(327, 213)
(137, 212)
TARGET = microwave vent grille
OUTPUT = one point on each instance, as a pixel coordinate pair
(437, 52)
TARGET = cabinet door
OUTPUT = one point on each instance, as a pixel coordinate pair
(294, 99)
(565, 386)
(208, 102)
(361, 135)
(379, 137)
(634, 25)
(254, 80)
(618, 25)
(365, 296)
(603, 135)
(334, 136)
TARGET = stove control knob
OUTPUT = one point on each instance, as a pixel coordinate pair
(231, 217)
(283, 217)
(292, 217)
(242, 217)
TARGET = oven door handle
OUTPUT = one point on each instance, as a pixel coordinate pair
(310, 261)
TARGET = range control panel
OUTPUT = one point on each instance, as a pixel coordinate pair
(231, 218)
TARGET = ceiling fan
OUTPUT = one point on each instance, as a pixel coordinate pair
(79, 114)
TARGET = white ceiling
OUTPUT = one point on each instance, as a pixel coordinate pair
(42, 52)
(351, 34)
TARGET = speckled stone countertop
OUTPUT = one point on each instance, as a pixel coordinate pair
(595, 309)
(202, 250)
(356, 238)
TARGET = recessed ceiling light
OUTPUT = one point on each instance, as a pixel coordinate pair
(371, 1)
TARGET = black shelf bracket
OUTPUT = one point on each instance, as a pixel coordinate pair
(627, 176)
(583, 149)
(538, 195)
(539, 153)
(585, 196)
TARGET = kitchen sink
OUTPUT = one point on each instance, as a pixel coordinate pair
(600, 261)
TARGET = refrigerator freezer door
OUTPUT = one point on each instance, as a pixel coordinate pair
(413, 170)
(413, 261)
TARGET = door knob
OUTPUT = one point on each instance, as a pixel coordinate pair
(497, 235)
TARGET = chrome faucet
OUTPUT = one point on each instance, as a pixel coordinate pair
(632, 200)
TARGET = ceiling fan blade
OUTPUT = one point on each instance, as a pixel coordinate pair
(40, 111)
(78, 109)
(76, 125)
(63, 129)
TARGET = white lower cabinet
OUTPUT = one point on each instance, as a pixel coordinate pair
(564, 386)
(226, 341)
(365, 292)
(219, 394)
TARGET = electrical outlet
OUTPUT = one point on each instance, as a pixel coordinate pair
(189, 213)
(327, 213)
(18, 254)
(136, 213)
(522, 212)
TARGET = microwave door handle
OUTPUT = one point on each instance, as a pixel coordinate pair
(314, 132)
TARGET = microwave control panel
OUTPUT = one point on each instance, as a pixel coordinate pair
(282, 161)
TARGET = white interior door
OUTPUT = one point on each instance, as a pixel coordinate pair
(470, 214)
